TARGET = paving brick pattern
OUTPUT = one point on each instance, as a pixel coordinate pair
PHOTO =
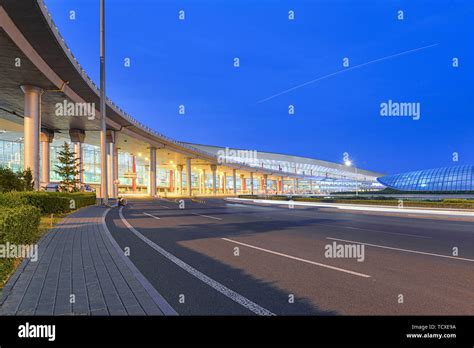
(78, 272)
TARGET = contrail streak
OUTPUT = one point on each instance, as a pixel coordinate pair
(344, 70)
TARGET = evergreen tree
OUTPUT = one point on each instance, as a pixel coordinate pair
(68, 169)
(9, 180)
(27, 178)
(15, 181)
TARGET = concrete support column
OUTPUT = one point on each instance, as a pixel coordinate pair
(224, 183)
(243, 183)
(200, 182)
(47, 137)
(134, 171)
(251, 183)
(78, 152)
(31, 125)
(296, 185)
(282, 185)
(214, 179)
(111, 184)
(115, 176)
(152, 171)
(189, 181)
(234, 180)
(171, 189)
(180, 179)
(204, 189)
(110, 170)
(265, 183)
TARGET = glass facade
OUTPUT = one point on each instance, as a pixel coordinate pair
(11, 155)
(126, 171)
(91, 163)
(459, 178)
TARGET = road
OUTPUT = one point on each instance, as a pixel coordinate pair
(217, 257)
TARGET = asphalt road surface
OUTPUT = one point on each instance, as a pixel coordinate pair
(217, 257)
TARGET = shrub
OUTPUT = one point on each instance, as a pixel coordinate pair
(18, 225)
(46, 203)
(10, 200)
(81, 199)
(9, 180)
(457, 200)
(15, 181)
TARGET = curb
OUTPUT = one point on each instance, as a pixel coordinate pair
(159, 300)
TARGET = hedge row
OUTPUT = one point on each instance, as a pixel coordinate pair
(81, 199)
(19, 226)
(48, 202)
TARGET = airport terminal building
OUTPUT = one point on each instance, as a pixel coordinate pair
(46, 99)
(41, 77)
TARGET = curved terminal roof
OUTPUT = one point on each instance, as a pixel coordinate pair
(308, 167)
(457, 178)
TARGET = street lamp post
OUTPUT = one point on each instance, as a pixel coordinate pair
(103, 125)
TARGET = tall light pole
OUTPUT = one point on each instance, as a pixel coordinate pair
(103, 125)
(348, 163)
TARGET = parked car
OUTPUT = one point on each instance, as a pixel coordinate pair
(87, 188)
(52, 187)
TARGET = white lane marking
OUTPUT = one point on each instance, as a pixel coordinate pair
(378, 231)
(254, 206)
(207, 216)
(243, 301)
(153, 216)
(399, 249)
(299, 259)
(164, 206)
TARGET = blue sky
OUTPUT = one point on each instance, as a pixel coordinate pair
(190, 63)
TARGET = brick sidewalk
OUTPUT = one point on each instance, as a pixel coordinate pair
(79, 257)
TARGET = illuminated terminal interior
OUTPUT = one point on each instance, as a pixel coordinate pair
(133, 170)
